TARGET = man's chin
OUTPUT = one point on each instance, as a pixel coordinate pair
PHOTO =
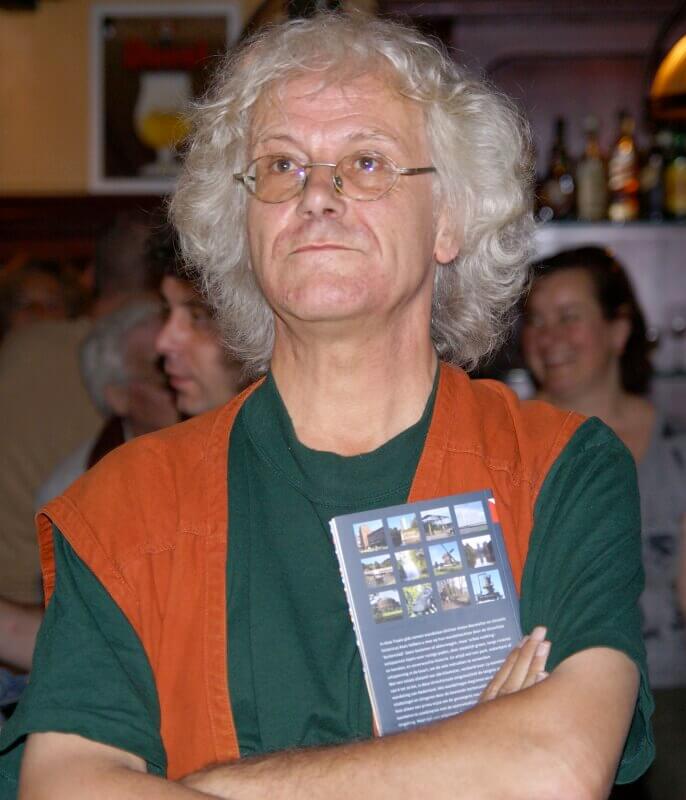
(331, 307)
(190, 406)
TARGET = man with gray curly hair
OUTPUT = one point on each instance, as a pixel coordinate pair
(121, 372)
(123, 377)
(358, 208)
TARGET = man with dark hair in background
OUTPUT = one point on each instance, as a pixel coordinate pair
(200, 369)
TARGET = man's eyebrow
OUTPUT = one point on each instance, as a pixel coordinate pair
(191, 302)
(196, 303)
(372, 134)
(276, 137)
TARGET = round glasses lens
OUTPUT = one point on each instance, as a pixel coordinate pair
(366, 176)
(276, 178)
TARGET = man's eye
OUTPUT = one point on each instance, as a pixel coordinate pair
(368, 163)
(282, 165)
(201, 318)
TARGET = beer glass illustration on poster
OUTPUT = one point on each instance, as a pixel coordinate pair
(149, 62)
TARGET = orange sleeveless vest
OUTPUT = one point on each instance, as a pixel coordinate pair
(151, 521)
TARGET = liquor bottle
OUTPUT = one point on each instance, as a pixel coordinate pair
(675, 179)
(652, 177)
(557, 195)
(591, 178)
(623, 173)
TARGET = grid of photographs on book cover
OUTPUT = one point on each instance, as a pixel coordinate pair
(431, 561)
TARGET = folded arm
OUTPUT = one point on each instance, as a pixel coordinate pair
(62, 766)
(561, 738)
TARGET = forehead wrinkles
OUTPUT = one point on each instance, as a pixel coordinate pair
(273, 113)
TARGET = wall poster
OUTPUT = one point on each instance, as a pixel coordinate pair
(148, 63)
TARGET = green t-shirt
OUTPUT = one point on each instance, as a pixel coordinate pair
(286, 602)
(296, 676)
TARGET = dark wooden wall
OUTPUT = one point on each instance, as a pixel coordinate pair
(64, 228)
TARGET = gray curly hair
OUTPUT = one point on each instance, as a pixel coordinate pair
(478, 141)
(102, 355)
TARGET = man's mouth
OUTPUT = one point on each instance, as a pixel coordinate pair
(319, 246)
(178, 381)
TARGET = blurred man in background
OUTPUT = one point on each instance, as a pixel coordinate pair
(120, 368)
(200, 369)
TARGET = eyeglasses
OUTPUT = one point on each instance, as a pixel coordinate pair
(359, 176)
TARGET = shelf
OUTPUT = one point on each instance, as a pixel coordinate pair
(640, 224)
(556, 235)
(670, 377)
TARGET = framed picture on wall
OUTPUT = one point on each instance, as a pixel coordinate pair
(148, 63)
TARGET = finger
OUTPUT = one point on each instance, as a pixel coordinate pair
(494, 685)
(538, 664)
(503, 675)
(523, 666)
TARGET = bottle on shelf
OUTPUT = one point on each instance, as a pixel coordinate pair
(675, 179)
(557, 191)
(591, 177)
(652, 177)
(623, 173)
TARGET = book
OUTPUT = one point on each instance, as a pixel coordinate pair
(433, 604)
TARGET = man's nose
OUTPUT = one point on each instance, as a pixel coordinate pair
(320, 197)
(169, 337)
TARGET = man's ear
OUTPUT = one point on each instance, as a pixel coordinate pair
(448, 239)
(117, 398)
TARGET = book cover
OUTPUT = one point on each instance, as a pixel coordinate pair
(433, 604)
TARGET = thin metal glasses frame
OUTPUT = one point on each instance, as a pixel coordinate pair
(245, 178)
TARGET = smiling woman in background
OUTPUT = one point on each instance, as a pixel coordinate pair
(584, 341)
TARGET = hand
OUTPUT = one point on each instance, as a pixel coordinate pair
(524, 667)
